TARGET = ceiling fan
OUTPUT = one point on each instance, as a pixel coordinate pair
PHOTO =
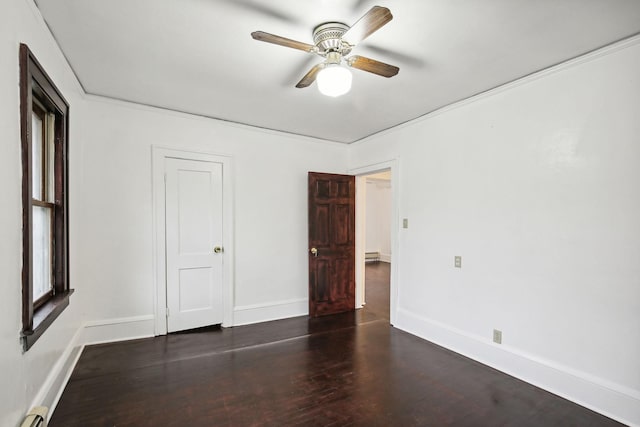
(333, 41)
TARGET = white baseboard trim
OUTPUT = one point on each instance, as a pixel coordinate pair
(385, 257)
(121, 329)
(612, 400)
(247, 314)
(51, 390)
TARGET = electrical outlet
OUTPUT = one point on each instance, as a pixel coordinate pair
(405, 223)
(457, 261)
(497, 336)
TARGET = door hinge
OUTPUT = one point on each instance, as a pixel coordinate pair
(167, 311)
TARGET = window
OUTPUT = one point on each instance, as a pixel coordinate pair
(44, 116)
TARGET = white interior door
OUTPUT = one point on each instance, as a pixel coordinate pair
(193, 221)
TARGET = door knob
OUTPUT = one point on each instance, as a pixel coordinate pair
(314, 251)
(217, 249)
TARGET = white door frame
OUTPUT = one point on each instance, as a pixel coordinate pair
(158, 155)
(359, 172)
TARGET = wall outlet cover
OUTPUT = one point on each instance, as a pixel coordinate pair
(497, 336)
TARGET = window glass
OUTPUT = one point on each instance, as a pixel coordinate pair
(41, 251)
(50, 156)
(36, 155)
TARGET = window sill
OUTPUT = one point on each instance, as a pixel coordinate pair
(43, 317)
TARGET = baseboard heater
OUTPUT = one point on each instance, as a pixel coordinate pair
(371, 256)
(37, 417)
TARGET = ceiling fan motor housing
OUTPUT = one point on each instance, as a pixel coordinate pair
(328, 37)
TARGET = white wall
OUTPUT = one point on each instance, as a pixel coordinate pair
(537, 188)
(22, 376)
(270, 193)
(378, 218)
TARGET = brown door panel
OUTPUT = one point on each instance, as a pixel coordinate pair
(331, 243)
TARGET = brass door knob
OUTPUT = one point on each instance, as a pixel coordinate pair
(314, 251)
(217, 249)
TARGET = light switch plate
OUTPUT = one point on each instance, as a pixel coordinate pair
(405, 223)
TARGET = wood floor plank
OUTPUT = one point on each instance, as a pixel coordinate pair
(377, 292)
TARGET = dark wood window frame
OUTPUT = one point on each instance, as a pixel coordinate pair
(39, 94)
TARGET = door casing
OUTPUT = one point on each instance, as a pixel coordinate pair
(159, 154)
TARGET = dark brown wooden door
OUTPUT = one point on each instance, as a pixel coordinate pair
(332, 201)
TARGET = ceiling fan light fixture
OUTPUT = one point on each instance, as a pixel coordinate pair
(334, 80)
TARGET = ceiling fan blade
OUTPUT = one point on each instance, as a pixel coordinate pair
(310, 77)
(372, 66)
(282, 41)
(371, 22)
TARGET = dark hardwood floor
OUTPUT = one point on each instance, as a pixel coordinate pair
(376, 292)
(350, 369)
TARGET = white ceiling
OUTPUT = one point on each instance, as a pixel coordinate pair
(197, 56)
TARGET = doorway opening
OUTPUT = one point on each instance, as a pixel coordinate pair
(374, 203)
